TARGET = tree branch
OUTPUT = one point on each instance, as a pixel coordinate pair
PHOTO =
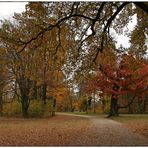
(50, 27)
(97, 17)
(142, 5)
(109, 21)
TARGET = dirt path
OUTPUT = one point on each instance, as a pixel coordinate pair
(106, 132)
(66, 130)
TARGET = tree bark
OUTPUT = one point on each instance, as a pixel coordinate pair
(145, 104)
(25, 103)
(94, 104)
(129, 107)
(113, 107)
(53, 107)
(71, 104)
(35, 92)
(24, 90)
(24, 108)
(44, 89)
(114, 102)
(1, 105)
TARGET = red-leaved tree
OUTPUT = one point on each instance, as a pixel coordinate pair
(128, 77)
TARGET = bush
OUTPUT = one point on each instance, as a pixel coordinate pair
(12, 109)
(36, 109)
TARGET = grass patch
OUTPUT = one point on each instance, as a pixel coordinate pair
(131, 117)
(84, 113)
(138, 123)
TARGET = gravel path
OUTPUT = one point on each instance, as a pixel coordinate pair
(106, 132)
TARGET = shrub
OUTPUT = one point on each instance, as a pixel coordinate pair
(12, 109)
(36, 109)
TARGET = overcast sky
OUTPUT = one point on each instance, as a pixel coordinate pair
(8, 8)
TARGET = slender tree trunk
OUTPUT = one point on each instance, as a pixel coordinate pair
(86, 107)
(39, 90)
(129, 107)
(1, 105)
(53, 107)
(140, 106)
(129, 97)
(44, 89)
(35, 92)
(71, 104)
(144, 104)
(103, 105)
(94, 105)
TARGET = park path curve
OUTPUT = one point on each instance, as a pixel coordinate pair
(106, 132)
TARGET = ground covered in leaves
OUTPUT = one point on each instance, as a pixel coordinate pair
(136, 123)
(67, 130)
(58, 130)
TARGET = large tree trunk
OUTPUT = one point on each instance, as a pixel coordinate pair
(24, 90)
(113, 107)
(25, 103)
(114, 102)
(24, 108)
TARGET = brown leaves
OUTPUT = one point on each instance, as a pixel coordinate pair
(55, 131)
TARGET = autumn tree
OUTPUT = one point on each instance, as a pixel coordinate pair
(38, 65)
(118, 81)
(3, 77)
